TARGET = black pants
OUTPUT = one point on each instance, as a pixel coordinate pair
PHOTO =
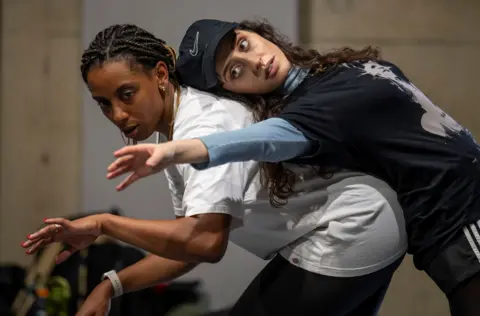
(282, 288)
(456, 271)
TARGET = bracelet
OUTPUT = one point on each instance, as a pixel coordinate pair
(116, 284)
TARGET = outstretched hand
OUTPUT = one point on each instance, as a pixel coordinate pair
(78, 234)
(140, 161)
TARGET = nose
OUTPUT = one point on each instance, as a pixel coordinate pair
(255, 63)
(119, 116)
(259, 64)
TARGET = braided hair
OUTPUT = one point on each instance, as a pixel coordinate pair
(129, 43)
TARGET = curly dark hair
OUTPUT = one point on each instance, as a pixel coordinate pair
(276, 178)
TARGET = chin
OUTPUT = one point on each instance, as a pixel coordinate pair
(142, 136)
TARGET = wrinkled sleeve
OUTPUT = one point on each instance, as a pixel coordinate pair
(272, 140)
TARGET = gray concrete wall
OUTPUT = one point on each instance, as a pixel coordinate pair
(40, 117)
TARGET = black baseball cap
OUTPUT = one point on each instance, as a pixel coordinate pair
(196, 61)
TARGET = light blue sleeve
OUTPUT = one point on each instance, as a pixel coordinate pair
(272, 140)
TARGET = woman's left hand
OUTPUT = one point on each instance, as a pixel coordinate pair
(140, 161)
(78, 234)
(143, 160)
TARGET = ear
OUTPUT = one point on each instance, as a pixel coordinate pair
(161, 74)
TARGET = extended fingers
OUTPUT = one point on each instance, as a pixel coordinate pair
(59, 221)
(121, 162)
(46, 231)
(118, 172)
(128, 181)
(38, 245)
(129, 150)
(53, 227)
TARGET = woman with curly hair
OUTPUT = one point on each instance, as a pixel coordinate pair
(342, 109)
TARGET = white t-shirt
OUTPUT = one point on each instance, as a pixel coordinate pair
(348, 225)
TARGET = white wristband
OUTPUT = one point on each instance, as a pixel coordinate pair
(116, 284)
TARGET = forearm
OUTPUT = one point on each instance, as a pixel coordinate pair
(272, 140)
(186, 151)
(185, 239)
(150, 271)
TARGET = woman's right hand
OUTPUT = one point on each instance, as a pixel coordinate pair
(78, 234)
(98, 302)
(143, 160)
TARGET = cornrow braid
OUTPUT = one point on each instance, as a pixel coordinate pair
(131, 43)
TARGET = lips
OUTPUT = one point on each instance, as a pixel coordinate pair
(130, 131)
(270, 69)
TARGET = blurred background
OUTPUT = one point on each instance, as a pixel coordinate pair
(55, 144)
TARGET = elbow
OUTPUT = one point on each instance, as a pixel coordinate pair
(214, 249)
(213, 257)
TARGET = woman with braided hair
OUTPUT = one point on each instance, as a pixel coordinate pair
(140, 50)
(334, 247)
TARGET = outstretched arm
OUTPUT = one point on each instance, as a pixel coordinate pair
(202, 238)
(271, 140)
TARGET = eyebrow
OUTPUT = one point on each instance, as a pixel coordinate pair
(126, 85)
(123, 86)
(99, 100)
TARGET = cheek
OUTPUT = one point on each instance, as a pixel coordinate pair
(109, 111)
(251, 85)
(280, 55)
(145, 105)
(266, 87)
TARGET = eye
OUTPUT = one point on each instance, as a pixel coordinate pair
(104, 106)
(103, 103)
(243, 45)
(235, 72)
(127, 95)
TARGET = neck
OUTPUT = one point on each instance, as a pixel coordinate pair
(163, 125)
(295, 77)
